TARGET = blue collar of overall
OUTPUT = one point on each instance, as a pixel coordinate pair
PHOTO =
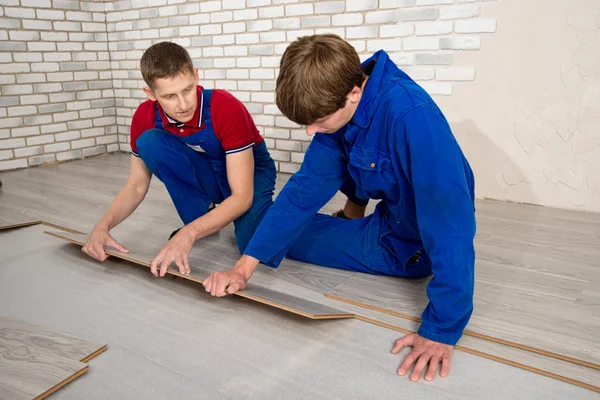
(204, 97)
(374, 67)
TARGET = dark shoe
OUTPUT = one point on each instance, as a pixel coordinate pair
(210, 208)
(340, 214)
(415, 258)
(174, 233)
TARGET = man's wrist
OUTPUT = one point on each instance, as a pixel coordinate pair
(246, 265)
(102, 226)
(194, 230)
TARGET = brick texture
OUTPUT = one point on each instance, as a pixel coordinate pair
(59, 52)
(70, 79)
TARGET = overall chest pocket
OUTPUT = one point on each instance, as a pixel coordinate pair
(371, 170)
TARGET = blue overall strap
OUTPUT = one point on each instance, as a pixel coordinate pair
(206, 96)
(206, 93)
(157, 120)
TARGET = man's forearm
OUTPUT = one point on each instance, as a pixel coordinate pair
(230, 209)
(126, 202)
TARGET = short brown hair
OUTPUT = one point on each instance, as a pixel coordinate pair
(165, 60)
(316, 75)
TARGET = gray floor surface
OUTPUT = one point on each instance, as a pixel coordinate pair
(168, 339)
(50, 283)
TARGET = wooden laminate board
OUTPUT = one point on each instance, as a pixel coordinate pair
(555, 368)
(535, 268)
(553, 329)
(62, 344)
(35, 362)
(6, 225)
(263, 295)
(167, 341)
(77, 193)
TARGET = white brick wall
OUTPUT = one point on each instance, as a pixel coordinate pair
(70, 76)
(44, 103)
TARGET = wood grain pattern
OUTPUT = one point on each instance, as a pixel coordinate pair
(468, 333)
(169, 341)
(519, 359)
(61, 344)
(492, 357)
(263, 295)
(499, 351)
(33, 368)
(541, 311)
(511, 238)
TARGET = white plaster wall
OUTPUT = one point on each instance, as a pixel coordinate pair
(530, 122)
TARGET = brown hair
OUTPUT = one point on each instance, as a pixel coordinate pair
(165, 60)
(316, 75)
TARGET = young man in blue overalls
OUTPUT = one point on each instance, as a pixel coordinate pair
(378, 135)
(203, 145)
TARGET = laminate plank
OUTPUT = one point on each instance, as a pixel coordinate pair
(575, 374)
(168, 341)
(499, 315)
(84, 193)
(33, 368)
(61, 344)
(6, 225)
(260, 294)
(588, 378)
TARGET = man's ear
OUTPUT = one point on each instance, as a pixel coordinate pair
(354, 95)
(196, 75)
(149, 93)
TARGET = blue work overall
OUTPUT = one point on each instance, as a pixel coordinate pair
(194, 171)
(399, 148)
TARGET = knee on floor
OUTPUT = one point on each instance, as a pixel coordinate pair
(150, 141)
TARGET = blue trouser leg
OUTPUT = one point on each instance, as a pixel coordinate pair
(264, 186)
(356, 245)
(349, 189)
(188, 177)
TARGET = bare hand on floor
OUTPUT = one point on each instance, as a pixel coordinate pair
(176, 250)
(425, 353)
(94, 246)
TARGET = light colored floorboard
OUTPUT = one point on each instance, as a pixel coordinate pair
(75, 195)
(278, 299)
(501, 311)
(533, 280)
(58, 343)
(35, 361)
(566, 371)
(171, 340)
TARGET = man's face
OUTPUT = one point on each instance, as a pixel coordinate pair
(333, 122)
(177, 96)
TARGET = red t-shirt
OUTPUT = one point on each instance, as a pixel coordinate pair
(231, 121)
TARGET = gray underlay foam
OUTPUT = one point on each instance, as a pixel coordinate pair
(168, 339)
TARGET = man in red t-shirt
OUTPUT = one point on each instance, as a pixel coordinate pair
(203, 145)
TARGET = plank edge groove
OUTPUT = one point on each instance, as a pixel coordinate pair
(335, 314)
(63, 383)
(470, 333)
(491, 357)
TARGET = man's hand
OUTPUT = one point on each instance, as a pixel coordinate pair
(229, 282)
(424, 352)
(94, 246)
(176, 250)
(223, 283)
